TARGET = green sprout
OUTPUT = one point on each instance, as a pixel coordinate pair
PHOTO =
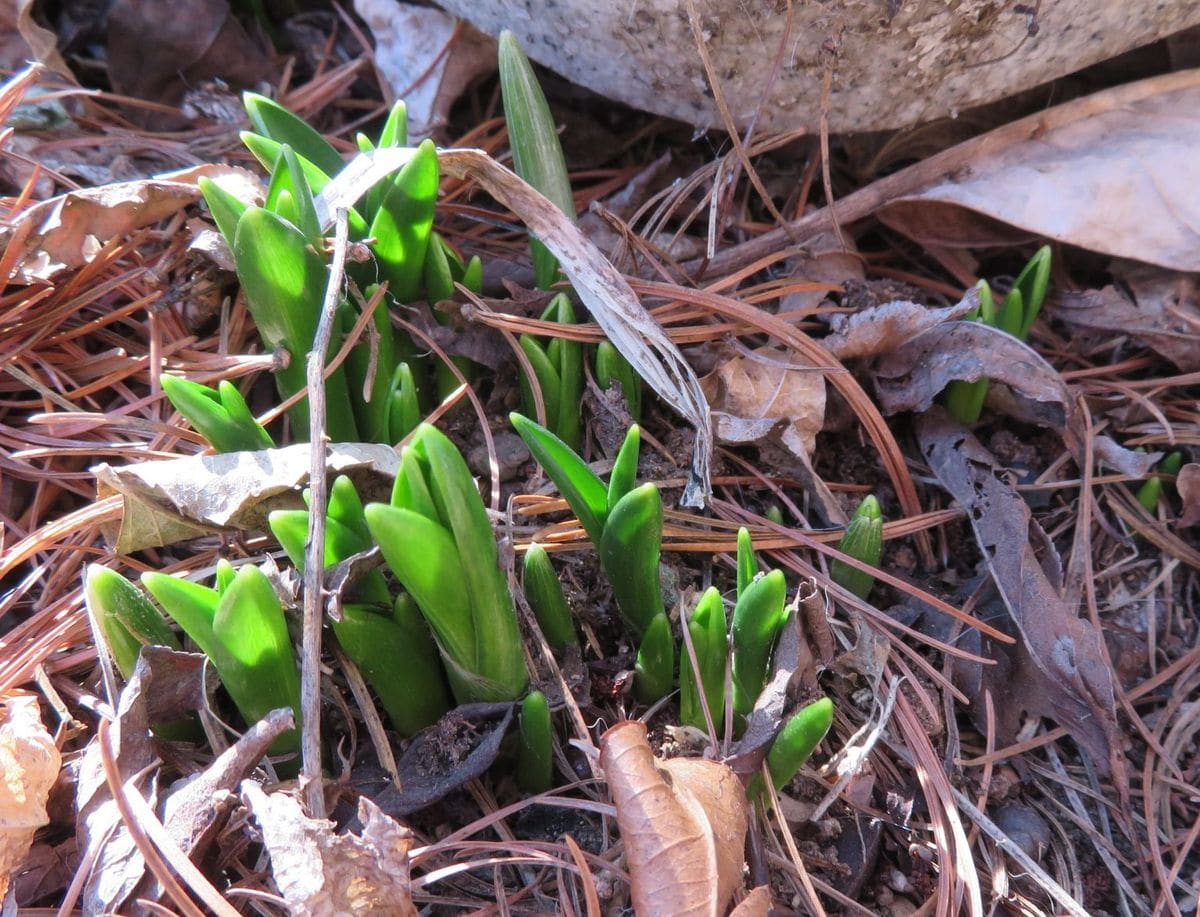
(537, 153)
(758, 618)
(220, 415)
(437, 540)
(241, 628)
(558, 366)
(863, 541)
(1015, 315)
(612, 368)
(707, 628)
(654, 667)
(795, 744)
(1149, 493)
(124, 616)
(535, 763)
(373, 631)
(544, 593)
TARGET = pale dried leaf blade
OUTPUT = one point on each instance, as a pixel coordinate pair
(68, 230)
(607, 295)
(29, 764)
(1071, 679)
(1120, 180)
(760, 393)
(319, 872)
(166, 502)
(683, 823)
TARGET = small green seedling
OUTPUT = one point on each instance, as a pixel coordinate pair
(124, 616)
(558, 366)
(1149, 493)
(707, 629)
(863, 541)
(373, 631)
(242, 629)
(794, 745)
(537, 153)
(535, 760)
(654, 667)
(614, 369)
(544, 593)
(220, 415)
(1015, 315)
(623, 521)
(437, 540)
(758, 617)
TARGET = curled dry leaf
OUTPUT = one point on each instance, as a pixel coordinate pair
(1070, 679)
(607, 295)
(761, 393)
(425, 57)
(911, 377)
(887, 327)
(166, 502)
(683, 823)
(756, 904)
(1187, 482)
(69, 230)
(320, 872)
(459, 747)
(165, 686)
(1140, 149)
(29, 762)
(1160, 310)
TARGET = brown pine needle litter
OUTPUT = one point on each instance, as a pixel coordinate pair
(913, 796)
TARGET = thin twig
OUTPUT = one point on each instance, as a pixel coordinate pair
(314, 551)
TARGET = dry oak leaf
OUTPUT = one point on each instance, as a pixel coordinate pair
(683, 823)
(29, 764)
(759, 393)
(320, 872)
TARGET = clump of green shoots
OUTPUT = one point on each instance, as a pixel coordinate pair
(373, 631)
(758, 619)
(625, 524)
(278, 251)
(240, 626)
(1015, 314)
(437, 540)
(863, 541)
(125, 618)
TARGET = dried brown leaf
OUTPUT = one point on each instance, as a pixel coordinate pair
(756, 904)
(157, 50)
(165, 686)
(683, 823)
(29, 763)
(884, 328)
(68, 230)
(1188, 484)
(762, 393)
(1070, 679)
(1119, 180)
(1160, 310)
(166, 502)
(319, 872)
(425, 57)
(911, 377)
